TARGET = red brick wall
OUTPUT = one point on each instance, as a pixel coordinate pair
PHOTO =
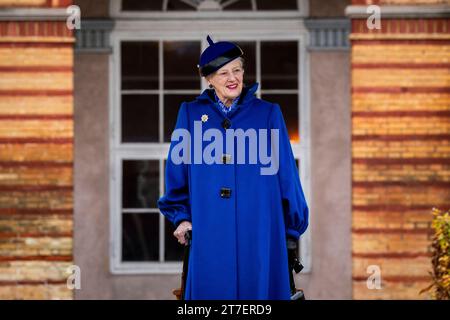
(35, 3)
(401, 149)
(36, 153)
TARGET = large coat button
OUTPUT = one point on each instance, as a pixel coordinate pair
(226, 158)
(225, 192)
(226, 123)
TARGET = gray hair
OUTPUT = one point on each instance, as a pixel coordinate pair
(242, 60)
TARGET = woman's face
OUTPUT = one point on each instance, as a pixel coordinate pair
(228, 80)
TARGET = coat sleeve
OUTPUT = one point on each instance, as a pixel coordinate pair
(296, 213)
(175, 203)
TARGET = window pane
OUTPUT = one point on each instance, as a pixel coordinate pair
(137, 5)
(140, 183)
(174, 250)
(239, 5)
(180, 65)
(277, 5)
(140, 237)
(279, 65)
(289, 106)
(249, 56)
(139, 65)
(140, 118)
(172, 103)
(177, 5)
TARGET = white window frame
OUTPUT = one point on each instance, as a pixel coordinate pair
(302, 12)
(146, 28)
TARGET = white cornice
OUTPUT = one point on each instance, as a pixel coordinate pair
(283, 28)
(328, 34)
(33, 14)
(93, 36)
(422, 11)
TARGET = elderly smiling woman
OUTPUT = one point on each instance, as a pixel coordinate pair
(242, 221)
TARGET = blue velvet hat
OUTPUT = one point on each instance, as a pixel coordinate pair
(217, 55)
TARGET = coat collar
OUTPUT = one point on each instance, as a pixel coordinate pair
(247, 94)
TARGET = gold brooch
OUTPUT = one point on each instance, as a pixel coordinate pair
(204, 118)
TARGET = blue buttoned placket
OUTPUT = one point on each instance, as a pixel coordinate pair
(228, 191)
(222, 106)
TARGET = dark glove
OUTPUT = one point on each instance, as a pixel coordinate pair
(188, 237)
(294, 263)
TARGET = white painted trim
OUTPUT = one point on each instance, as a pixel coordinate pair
(151, 151)
(151, 210)
(328, 34)
(164, 92)
(160, 86)
(258, 66)
(302, 12)
(93, 36)
(192, 28)
(148, 268)
(248, 30)
(113, 263)
(397, 11)
(204, 45)
(33, 14)
(305, 146)
(162, 230)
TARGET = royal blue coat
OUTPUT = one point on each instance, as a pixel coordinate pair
(238, 246)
